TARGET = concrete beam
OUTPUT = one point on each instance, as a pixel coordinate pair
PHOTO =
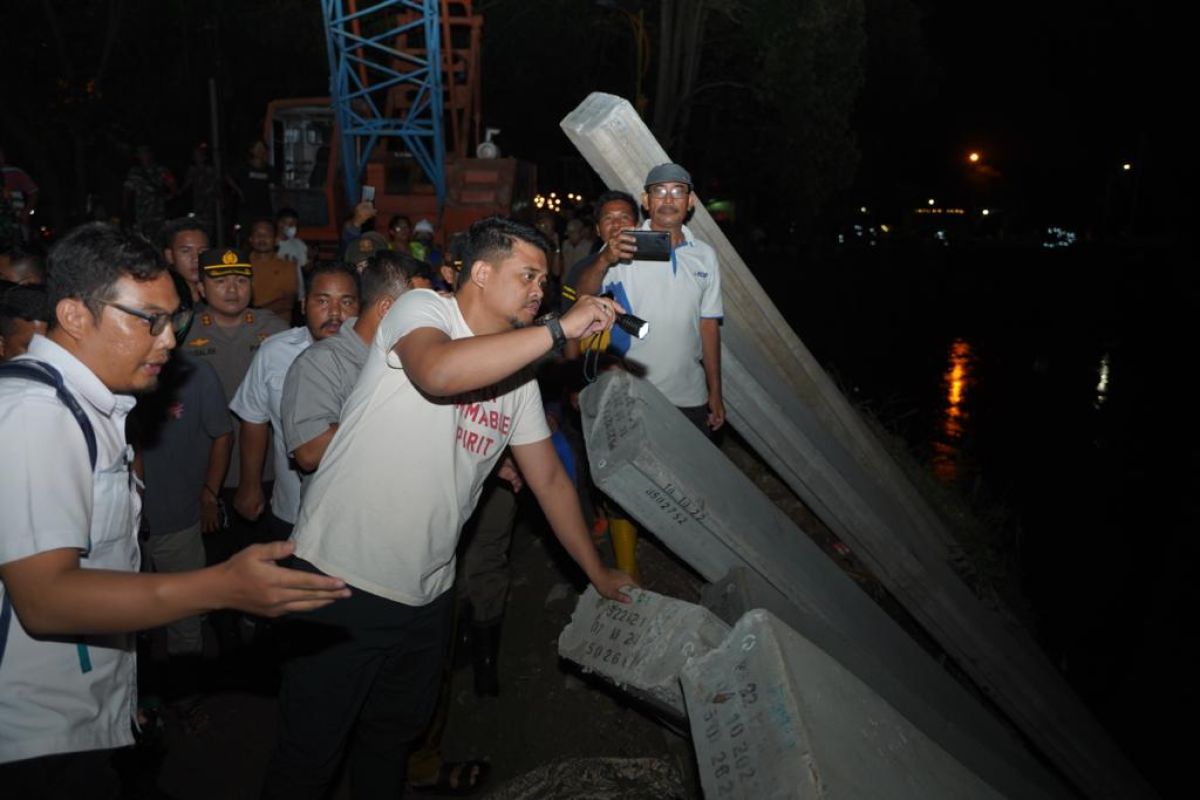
(772, 715)
(640, 645)
(781, 400)
(659, 468)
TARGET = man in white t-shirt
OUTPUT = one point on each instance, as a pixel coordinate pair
(680, 298)
(332, 299)
(442, 394)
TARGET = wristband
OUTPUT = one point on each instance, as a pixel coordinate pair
(551, 323)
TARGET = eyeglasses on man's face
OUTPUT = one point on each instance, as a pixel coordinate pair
(675, 190)
(179, 319)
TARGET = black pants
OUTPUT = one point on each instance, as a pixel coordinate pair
(698, 416)
(61, 776)
(361, 675)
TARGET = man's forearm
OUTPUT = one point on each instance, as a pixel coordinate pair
(95, 601)
(452, 367)
(591, 276)
(252, 447)
(556, 495)
(710, 353)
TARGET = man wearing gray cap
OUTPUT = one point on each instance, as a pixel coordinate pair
(680, 297)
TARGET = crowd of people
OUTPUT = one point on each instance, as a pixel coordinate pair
(233, 444)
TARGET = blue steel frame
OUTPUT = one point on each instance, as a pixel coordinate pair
(359, 104)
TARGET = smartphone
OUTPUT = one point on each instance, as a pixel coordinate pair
(651, 245)
(368, 194)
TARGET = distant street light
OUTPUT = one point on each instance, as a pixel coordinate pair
(986, 212)
(1127, 166)
(931, 201)
(973, 157)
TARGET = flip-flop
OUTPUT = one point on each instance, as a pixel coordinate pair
(475, 772)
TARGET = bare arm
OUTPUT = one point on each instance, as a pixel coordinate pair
(546, 478)
(252, 445)
(308, 455)
(443, 367)
(710, 352)
(52, 594)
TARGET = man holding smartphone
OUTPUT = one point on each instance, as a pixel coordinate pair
(680, 297)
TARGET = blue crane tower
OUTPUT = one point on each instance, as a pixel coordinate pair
(386, 83)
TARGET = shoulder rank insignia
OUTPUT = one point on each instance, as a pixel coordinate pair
(198, 342)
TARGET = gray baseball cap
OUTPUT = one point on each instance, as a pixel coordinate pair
(668, 173)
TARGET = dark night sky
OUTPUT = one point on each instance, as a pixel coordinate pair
(1054, 94)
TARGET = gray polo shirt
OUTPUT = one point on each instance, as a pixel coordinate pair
(317, 385)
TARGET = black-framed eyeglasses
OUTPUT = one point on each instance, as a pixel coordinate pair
(661, 190)
(179, 320)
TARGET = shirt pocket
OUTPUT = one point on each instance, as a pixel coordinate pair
(112, 505)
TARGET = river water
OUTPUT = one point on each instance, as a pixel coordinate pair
(1050, 386)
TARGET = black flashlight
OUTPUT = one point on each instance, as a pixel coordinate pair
(634, 326)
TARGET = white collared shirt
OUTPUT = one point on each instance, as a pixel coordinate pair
(258, 399)
(52, 499)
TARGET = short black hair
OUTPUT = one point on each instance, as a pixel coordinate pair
(177, 226)
(87, 263)
(21, 301)
(26, 263)
(612, 195)
(491, 239)
(396, 218)
(387, 274)
(286, 212)
(262, 220)
(332, 268)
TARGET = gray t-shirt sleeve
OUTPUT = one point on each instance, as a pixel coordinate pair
(311, 401)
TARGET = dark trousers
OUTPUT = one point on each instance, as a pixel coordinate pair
(61, 776)
(361, 676)
(698, 416)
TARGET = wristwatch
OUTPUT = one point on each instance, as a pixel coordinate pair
(555, 327)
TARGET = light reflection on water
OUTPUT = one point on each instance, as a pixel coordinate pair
(1103, 374)
(958, 380)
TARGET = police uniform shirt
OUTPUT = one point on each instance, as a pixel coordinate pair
(229, 351)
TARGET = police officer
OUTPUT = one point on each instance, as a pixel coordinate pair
(227, 333)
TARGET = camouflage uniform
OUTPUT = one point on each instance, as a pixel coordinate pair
(150, 187)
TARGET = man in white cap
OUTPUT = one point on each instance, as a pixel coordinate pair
(422, 245)
(680, 297)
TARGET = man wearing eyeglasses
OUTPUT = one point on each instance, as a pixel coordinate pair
(71, 592)
(681, 298)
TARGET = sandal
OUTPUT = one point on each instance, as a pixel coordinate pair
(450, 779)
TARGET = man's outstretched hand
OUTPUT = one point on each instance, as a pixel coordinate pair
(260, 586)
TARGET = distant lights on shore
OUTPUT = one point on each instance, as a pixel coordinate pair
(931, 202)
(986, 212)
(1127, 166)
